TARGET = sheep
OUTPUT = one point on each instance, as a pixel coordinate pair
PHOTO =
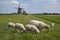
(11, 25)
(20, 27)
(39, 24)
(32, 28)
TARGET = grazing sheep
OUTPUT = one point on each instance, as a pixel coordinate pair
(32, 28)
(11, 25)
(39, 24)
(19, 26)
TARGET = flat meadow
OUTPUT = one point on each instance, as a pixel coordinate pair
(11, 34)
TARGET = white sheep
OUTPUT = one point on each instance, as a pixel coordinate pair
(32, 28)
(11, 25)
(39, 24)
(20, 27)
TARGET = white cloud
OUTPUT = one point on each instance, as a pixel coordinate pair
(9, 2)
(15, 2)
(35, 5)
(53, 1)
(24, 5)
(44, 0)
(48, 5)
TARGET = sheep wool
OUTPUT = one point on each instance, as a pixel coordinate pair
(11, 25)
(39, 24)
(33, 28)
(19, 26)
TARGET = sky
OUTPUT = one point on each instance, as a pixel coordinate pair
(30, 6)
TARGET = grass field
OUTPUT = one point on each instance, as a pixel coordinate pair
(10, 34)
(53, 18)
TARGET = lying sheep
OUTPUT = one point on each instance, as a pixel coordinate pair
(32, 28)
(20, 27)
(39, 24)
(11, 25)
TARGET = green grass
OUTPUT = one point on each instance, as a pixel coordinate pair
(52, 18)
(10, 34)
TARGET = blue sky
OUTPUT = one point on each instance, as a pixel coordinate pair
(30, 6)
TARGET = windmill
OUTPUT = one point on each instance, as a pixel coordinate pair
(20, 10)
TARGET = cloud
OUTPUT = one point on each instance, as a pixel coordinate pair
(33, 5)
(9, 2)
(44, 0)
(7, 5)
(25, 6)
(15, 2)
(46, 5)
(50, 1)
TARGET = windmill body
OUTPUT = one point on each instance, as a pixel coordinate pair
(20, 11)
